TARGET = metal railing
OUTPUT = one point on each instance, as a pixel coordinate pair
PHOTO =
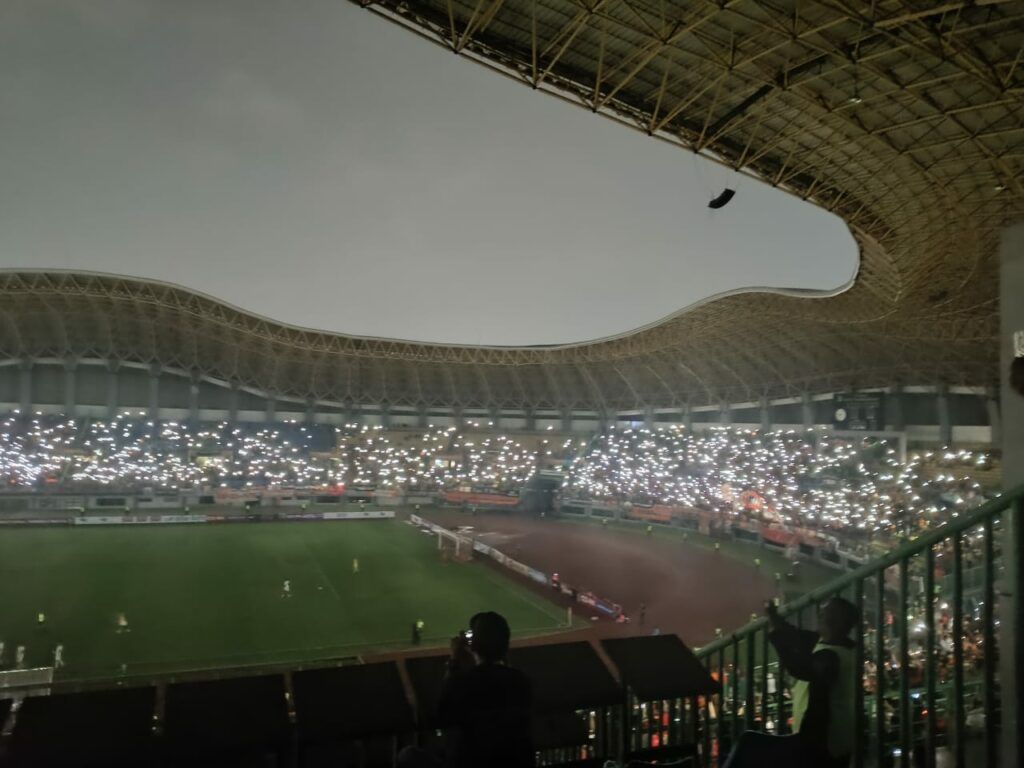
(927, 655)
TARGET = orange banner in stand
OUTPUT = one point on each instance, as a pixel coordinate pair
(659, 513)
(481, 499)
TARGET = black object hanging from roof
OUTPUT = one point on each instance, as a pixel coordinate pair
(722, 200)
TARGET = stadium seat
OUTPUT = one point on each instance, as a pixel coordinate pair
(558, 730)
(659, 667)
(426, 674)
(566, 676)
(234, 722)
(352, 714)
(85, 730)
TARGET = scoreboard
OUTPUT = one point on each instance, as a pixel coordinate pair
(859, 411)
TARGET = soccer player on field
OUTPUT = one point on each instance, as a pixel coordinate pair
(286, 588)
(355, 565)
(122, 624)
(58, 657)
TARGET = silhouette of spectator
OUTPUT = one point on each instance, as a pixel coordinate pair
(823, 696)
(484, 706)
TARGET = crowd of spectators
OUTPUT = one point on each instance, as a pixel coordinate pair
(809, 480)
(130, 452)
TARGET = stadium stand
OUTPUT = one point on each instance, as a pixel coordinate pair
(238, 721)
(92, 729)
(356, 713)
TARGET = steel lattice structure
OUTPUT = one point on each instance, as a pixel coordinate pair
(904, 118)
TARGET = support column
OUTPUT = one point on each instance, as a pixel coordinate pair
(649, 417)
(807, 410)
(687, 416)
(724, 414)
(945, 418)
(531, 420)
(895, 418)
(994, 418)
(271, 413)
(310, 415)
(567, 420)
(385, 415)
(154, 392)
(70, 387)
(1011, 405)
(193, 398)
(25, 387)
(353, 413)
(113, 385)
(766, 414)
(494, 416)
(234, 396)
(421, 417)
(607, 420)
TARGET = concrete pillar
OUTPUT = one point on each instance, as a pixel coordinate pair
(1011, 345)
(385, 415)
(1011, 405)
(766, 414)
(271, 413)
(566, 420)
(353, 413)
(193, 398)
(494, 416)
(896, 419)
(649, 417)
(994, 419)
(234, 396)
(422, 420)
(687, 416)
(154, 392)
(310, 413)
(25, 387)
(724, 414)
(607, 419)
(70, 387)
(807, 410)
(113, 386)
(530, 420)
(945, 417)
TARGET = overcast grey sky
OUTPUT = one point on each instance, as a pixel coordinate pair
(313, 163)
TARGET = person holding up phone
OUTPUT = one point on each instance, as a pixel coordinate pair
(823, 695)
(485, 705)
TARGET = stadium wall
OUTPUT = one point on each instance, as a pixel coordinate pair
(100, 388)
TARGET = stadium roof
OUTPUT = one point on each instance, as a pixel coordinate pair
(904, 118)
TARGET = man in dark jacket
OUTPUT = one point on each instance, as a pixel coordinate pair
(484, 706)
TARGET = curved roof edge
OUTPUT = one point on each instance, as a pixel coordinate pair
(801, 293)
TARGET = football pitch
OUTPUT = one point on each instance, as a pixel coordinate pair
(205, 596)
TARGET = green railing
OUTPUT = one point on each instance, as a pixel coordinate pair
(927, 656)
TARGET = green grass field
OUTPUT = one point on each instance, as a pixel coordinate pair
(204, 596)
